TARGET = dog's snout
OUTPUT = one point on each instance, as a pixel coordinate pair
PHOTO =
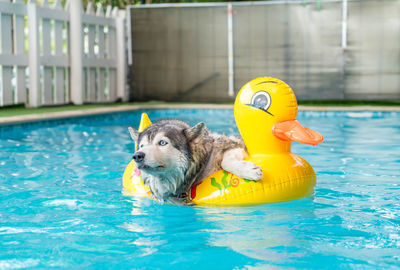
(138, 156)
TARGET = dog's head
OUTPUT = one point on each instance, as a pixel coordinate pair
(164, 146)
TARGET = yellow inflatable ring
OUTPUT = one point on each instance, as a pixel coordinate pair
(265, 112)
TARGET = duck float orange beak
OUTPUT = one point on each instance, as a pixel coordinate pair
(292, 130)
(265, 112)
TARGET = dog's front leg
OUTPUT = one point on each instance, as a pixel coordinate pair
(233, 162)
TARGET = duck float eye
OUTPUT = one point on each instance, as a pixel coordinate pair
(261, 100)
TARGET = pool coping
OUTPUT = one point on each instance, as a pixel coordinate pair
(123, 108)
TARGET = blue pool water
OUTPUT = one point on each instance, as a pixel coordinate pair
(61, 204)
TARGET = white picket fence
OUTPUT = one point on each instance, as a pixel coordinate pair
(68, 55)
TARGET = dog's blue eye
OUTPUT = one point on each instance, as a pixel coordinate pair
(162, 143)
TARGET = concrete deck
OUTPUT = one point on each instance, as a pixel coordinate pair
(122, 108)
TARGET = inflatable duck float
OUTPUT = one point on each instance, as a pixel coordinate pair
(265, 112)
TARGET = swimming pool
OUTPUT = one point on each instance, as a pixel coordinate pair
(61, 203)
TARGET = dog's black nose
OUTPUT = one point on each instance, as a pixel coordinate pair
(138, 156)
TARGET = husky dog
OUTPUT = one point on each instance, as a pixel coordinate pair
(173, 156)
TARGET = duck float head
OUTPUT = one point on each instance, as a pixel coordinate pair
(265, 112)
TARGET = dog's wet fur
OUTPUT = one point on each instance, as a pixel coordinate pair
(173, 156)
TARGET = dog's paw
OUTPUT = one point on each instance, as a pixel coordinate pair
(250, 171)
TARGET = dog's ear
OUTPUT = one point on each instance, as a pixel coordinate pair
(134, 133)
(193, 132)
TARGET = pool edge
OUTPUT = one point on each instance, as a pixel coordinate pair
(85, 112)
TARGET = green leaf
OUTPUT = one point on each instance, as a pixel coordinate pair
(215, 183)
(224, 181)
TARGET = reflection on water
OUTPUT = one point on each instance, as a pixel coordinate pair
(261, 233)
(256, 231)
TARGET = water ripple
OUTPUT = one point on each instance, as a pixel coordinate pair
(61, 203)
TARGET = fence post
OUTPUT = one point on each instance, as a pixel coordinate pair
(46, 48)
(231, 81)
(59, 78)
(344, 24)
(76, 51)
(111, 47)
(90, 54)
(121, 72)
(19, 47)
(101, 55)
(34, 55)
(6, 94)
